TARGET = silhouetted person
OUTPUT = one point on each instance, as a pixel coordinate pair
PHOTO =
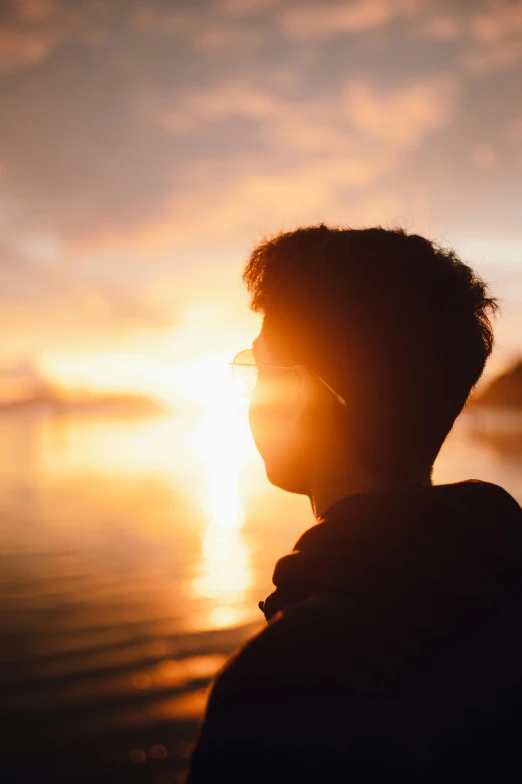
(393, 649)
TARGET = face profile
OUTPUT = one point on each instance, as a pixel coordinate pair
(275, 416)
(287, 407)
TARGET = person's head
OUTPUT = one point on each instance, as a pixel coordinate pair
(396, 325)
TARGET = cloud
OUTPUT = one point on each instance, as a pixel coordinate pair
(292, 194)
(319, 159)
(440, 27)
(245, 7)
(305, 125)
(514, 129)
(496, 56)
(21, 380)
(489, 34)
(19, 48)
(29, 32)
(102, 140)
(235, 99)
(233, 38)
(483, 156)
(398, 117)
(21, 281)
(500, 20)
(103, 143)
(401, 118)
(41, 304)
(223, 26)
(166, 21)
(34, 11)
(496, 38)
(318, 20)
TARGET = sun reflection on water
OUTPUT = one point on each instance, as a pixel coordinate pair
(199, 450)
(222, 441)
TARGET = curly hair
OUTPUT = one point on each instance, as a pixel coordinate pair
(397, 324)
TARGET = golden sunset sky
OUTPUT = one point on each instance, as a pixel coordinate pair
(147, 145)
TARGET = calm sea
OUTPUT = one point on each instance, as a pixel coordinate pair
(132, 558)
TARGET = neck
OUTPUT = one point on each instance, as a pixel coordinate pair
(327, 489)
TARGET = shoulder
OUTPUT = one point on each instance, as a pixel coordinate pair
(310, 642)
(292, 700)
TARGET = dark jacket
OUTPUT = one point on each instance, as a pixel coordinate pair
(394, 648)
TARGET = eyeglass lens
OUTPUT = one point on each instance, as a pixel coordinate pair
(244, 372)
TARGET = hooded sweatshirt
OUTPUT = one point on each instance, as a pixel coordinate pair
(394, 647)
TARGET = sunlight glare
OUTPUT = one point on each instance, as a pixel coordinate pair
(208, 382)
(222, 441)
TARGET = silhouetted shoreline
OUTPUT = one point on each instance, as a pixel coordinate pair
(504, 392)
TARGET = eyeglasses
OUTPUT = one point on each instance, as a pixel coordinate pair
(245, 371)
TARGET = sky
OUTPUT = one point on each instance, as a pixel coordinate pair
(146, 146)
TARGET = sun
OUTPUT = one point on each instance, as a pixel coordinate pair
(208, 383)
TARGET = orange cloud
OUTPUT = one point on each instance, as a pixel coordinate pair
(166, 21)
(498, 22)
(32, 29)
(316, 153)
(398, 118)
(31, 11)
(245, 7)
(323, 21)
(217, 224)
(497, 56)
(22, 48)
(441, 28)
(305, 126)
(483, 156)
(222, 37)
(496, 38)
(144, 173)
(401, 118)
(235, 99)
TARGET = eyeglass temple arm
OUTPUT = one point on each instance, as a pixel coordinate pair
(340, 399)
(337, 396)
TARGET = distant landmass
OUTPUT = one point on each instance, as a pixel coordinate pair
(24, 389)
(504, 392)
(113, 406)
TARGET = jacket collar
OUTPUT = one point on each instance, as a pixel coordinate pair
(413, 536)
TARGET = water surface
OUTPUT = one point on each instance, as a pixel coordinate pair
(132, 558)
